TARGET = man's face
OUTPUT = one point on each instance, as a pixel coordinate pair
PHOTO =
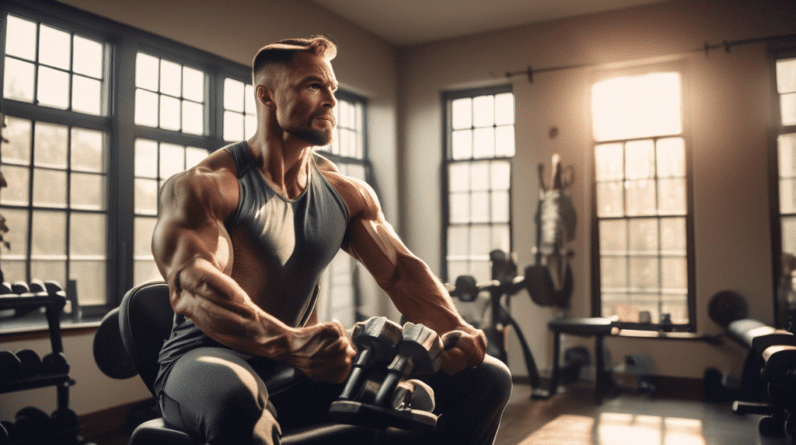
(305, 98)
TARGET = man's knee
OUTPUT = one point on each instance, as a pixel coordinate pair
(496, 379)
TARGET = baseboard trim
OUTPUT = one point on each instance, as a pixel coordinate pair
(116, 418)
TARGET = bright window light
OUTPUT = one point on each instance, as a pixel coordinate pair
(637, 106)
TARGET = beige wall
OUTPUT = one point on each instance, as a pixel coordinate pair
(729, 108)
(365, 65)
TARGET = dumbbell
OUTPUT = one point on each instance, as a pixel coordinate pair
(10, 366)
(5, 290)
(10, 429)
(64, 421)
(31, 424)
(20, 288)
(31, 363)
(54, 363)
(375, 340)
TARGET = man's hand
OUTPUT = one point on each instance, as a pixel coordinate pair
(323, 352)
(463, 349)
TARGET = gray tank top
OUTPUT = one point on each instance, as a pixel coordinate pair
(299, 238)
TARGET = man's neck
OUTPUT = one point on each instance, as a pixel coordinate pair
(283, 163)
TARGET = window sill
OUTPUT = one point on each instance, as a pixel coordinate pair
(30, 328)
(686, 336)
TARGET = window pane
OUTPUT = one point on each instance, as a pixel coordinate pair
(50, 145)
(146, 271)
(87, 235)
(640, 197)
(479, 210)
(609, 160)
(87, 58)
(233, 95)
(88, 150)
(169, 113)
(671, 157)
(484, 142)
(671, 193)
(504, 141)
(250, 123)
(459, 208)
(787, 154)
(500, 207)
(193, 86)
(484, 111)
(500, 175)
(146, 158)
(640, 159)
(146, 108)
(48, 270)
(458, 241)
(16, 193)
(86, 95)
(643, 273)
(613, 272)
(480, 241)
(643, 235)
(54, 47)
(787, 195)
(13, 270)
(144, 227)
(344, 120)
(479, 176)
(53, 88)
(17, 236)
(146, 196)
(462, 144)
(91, 278)
(172, 160)
(786, 76)
(18, 83)
(233, 126)
(673, 236)
(88, 191)
(504, 109)
(170, 78)
(20, 39)
(501, 237)
(49, 234)
(249, 102)
(49, 188)
(146, 73)
(462, 113)
(459, 177)
(194, 156)
(192, 117)
(610, 200)
(788, 108)
(674, 275)
(788, 234)
(613, 236)
(457, 269)
(621, 106)
(17, 149)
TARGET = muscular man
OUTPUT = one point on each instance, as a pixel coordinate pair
(242, 241)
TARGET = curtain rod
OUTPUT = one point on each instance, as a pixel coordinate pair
(726, 45)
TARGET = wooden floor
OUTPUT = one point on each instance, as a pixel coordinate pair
(626, 418)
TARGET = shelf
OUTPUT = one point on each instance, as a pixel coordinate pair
(35, 382)
(40, 299)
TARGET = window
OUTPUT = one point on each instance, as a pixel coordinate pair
(477, 178)
(642, 200)
(91, 138)
(785, 68)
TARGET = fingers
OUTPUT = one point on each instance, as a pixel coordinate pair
(462, 351)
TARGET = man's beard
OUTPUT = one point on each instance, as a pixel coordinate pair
(317, 138)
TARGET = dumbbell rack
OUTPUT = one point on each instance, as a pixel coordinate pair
(54, 303)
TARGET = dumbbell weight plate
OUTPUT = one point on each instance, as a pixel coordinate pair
(32, 423)
(64, 420)
(10, 366)
(10, 429)
(54, 363)
(31, 363)
(20, 287)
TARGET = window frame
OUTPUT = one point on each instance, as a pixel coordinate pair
(447, 159)
(596, 288)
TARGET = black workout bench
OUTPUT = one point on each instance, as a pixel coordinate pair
(596, 327)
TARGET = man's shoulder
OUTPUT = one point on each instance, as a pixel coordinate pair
(212, 183)
(358, 195)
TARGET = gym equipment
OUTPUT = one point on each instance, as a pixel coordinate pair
(727, 306)
(31, 363)
(392, 399)
(54, 363)
(10, 366)
(10, 429)
(575, 358)
(64, 422)
(32, 423)
(144, 322)
(375, 340)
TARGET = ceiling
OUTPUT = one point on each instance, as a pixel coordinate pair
(407, 22)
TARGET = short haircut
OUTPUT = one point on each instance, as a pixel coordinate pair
(283, 52)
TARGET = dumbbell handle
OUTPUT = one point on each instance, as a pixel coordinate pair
(363, 360)
(399, 368)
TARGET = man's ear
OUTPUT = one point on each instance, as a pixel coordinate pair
(266, 96)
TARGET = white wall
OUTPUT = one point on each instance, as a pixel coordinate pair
(365, 65)
(730, 110)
